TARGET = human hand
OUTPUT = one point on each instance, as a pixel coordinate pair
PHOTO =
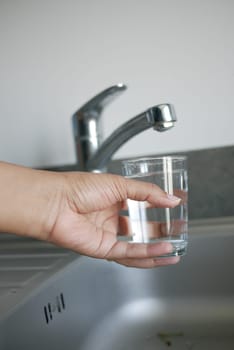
(79, 211)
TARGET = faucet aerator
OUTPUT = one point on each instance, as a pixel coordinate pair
(164, 126)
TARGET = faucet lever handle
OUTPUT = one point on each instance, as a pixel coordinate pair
(93, 108)
(87, 124)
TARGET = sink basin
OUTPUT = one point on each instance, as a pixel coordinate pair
(91, 304)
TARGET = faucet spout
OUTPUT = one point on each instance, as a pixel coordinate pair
(93, 154)
(161, 118)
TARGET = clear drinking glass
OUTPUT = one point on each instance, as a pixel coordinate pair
(149, 224)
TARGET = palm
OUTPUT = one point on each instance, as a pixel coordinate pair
(91, 234)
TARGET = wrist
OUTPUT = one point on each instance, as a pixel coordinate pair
(29, 200)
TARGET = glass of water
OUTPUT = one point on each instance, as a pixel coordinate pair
(147, 224)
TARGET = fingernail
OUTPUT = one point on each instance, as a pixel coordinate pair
(168, 247)
(173, 198)
(167, 261)
(159, 249)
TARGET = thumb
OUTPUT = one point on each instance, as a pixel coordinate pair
(144, 191)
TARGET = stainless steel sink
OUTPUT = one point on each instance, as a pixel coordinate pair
(95, 305)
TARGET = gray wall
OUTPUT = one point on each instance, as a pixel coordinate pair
(56, 54)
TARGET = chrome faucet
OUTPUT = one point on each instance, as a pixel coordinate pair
(93, 154)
